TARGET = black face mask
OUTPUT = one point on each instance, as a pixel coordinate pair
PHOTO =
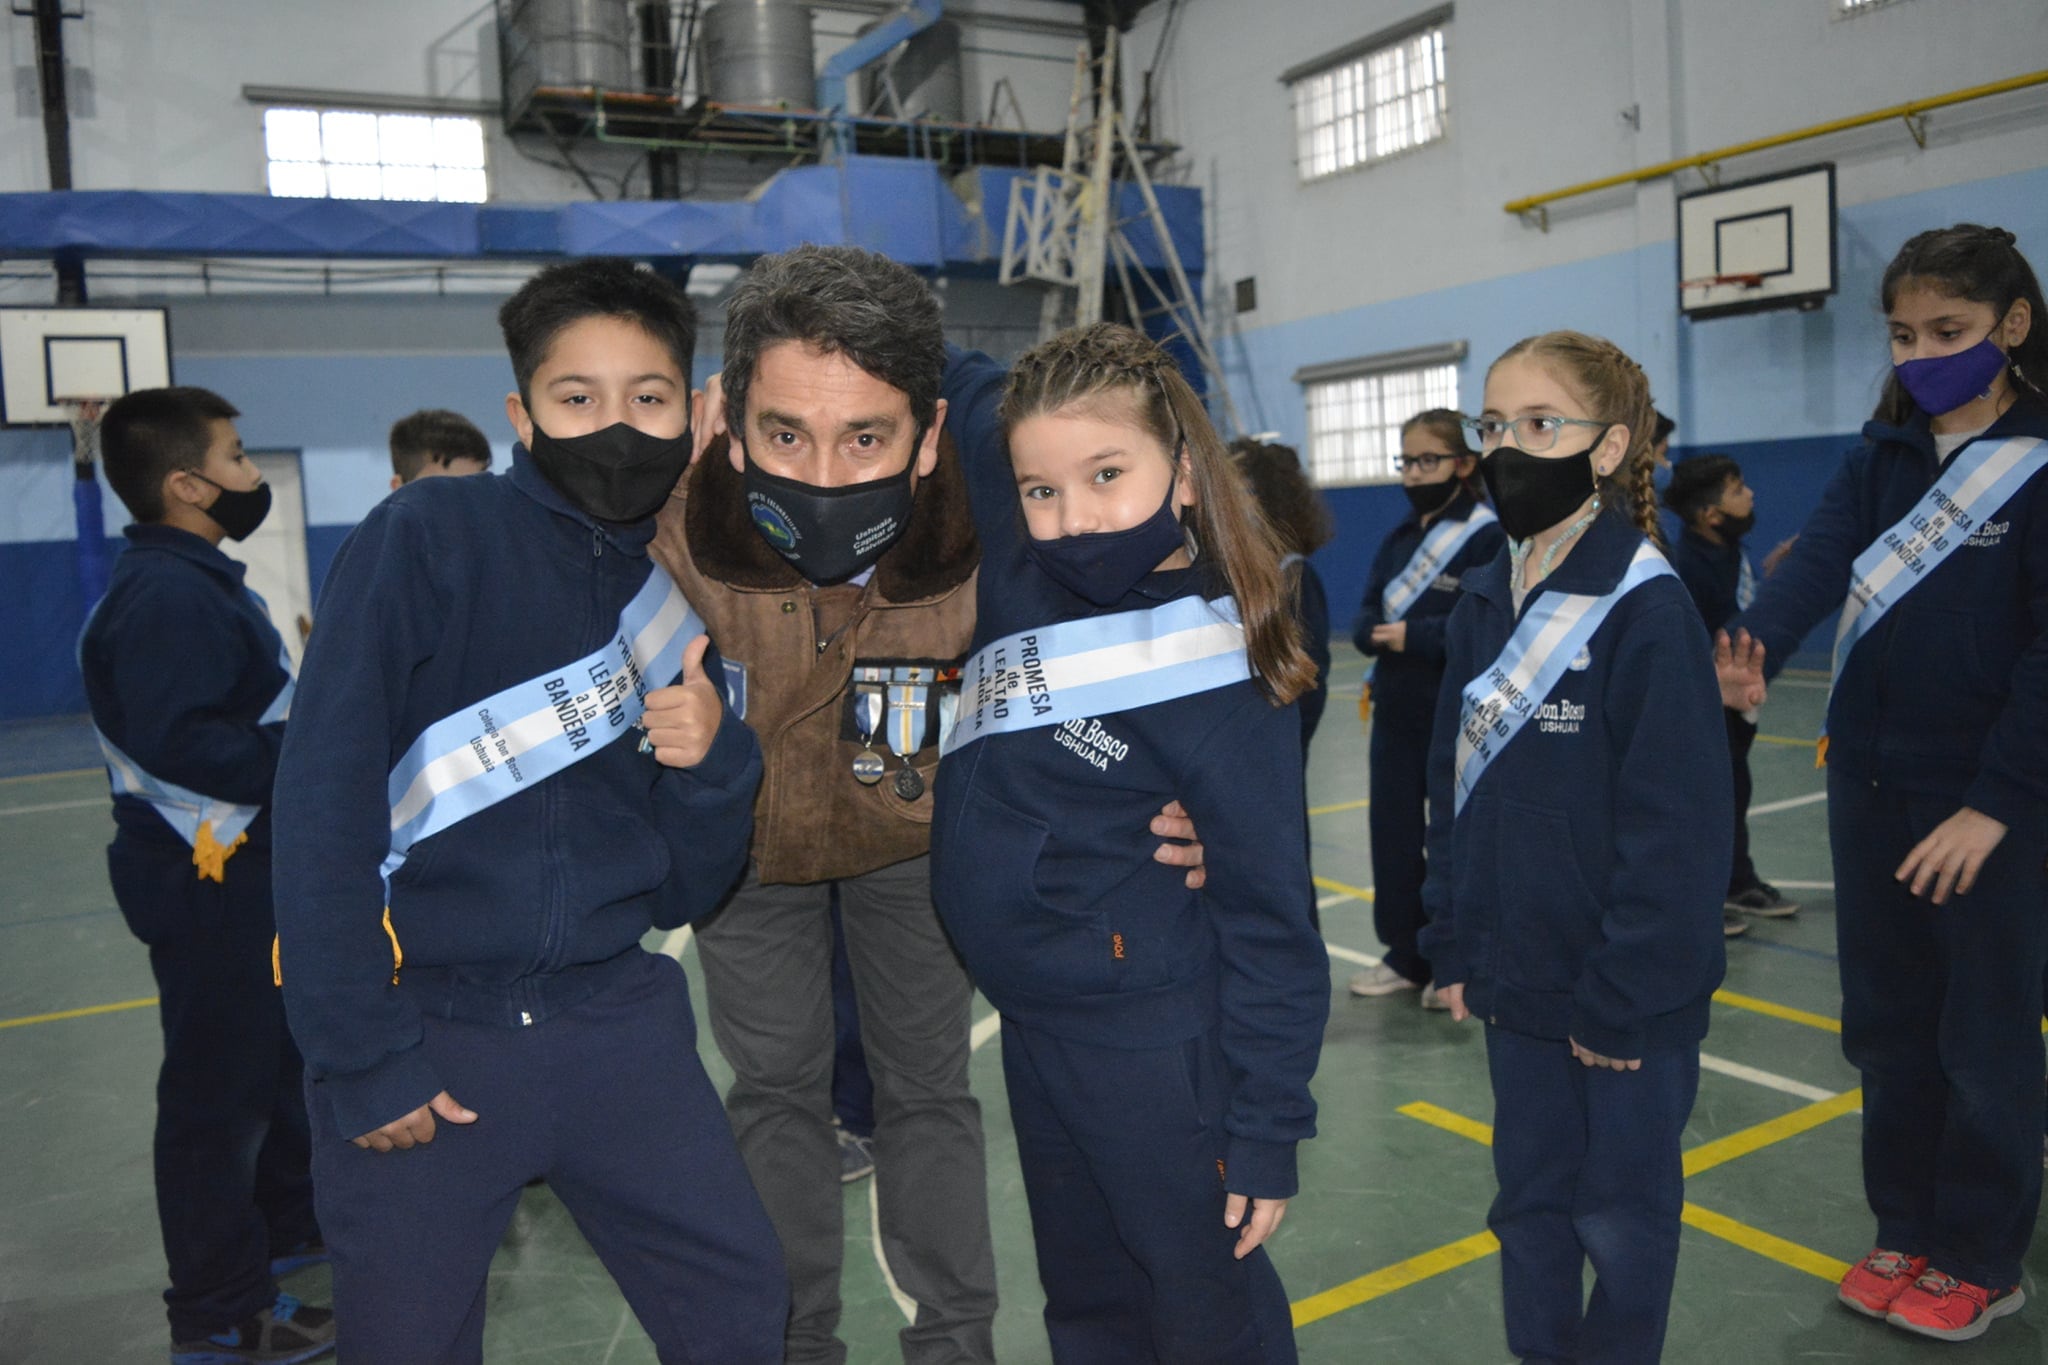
(1735, 528)
(1430, 498)
(237, 511)
(1533, 493)
(830, 534)
(620, 474)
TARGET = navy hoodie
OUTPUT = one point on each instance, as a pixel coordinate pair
(1406, 679)
(1042, 856)
(1945, 695)
(180, 663)
(1711, 573)
(1578, 894)
(451, 590)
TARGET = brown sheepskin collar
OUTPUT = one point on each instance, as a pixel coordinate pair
(935, 554)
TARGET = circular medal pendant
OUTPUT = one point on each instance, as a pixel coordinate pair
(909, 784)
(868, 769)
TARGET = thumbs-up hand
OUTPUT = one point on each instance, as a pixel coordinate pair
(682, 719)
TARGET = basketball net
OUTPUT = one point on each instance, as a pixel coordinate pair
(85, 429)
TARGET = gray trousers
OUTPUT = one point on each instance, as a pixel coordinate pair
(768, 977)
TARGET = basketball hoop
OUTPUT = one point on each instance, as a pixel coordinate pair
(85, 414)
(1724, 282)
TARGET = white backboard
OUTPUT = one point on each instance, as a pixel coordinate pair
(50, 354)
(1778, 230)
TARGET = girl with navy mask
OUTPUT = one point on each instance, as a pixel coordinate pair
(1135, 644)
(1933, 539)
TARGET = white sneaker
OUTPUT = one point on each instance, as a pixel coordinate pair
(1381, 980)
(1431, 1000)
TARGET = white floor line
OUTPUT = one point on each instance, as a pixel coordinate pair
(1770, 1080)
(903, 1301)
(55, 805)
(1351, 955)
(1770, 807)
(1803, 886)
(1334, 898)
(676, 944)
(618, 1334)
(983, 1030)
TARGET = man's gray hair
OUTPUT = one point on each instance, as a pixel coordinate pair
(843, 299)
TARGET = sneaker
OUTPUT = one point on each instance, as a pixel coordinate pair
(309, 1253)
(1431, 1000)
(282, 1334)
(1763, 901)
(1381, 980)
(856, 1155)
(1938, 1305)
(1875, 1281)
(1732, 924)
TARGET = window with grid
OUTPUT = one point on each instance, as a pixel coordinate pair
(1354, 420)
(1372, 100)
(355, 154)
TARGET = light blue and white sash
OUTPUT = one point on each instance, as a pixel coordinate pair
(525, 734)
(1979, 481)
(1438, 548)
(1500, 701)
(1745, 582)
(197, 818)
(1093, 667)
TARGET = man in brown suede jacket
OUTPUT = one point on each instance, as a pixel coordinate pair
(828, 546)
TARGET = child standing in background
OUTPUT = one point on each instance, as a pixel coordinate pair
(1579, 825)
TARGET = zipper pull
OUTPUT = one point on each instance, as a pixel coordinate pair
(596, 543)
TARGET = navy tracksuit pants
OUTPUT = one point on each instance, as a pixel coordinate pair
(1941, 1012)
(609, 1102)
(1590, 1171)
(232, 1184)
(1399, 788)
(1122, 1151)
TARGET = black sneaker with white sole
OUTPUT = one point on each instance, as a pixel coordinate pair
(1761, 900)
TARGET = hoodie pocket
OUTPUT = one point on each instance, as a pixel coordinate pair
(1549, 917)
(1006, 930)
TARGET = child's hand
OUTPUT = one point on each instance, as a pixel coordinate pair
(1172, 822)
(707, 416)
(1739, 668)
(1266, 1216)
(416, 1127)
(1952, 855)
(1588, 1057)
(1777, 554)
(1392, 636)
(682, 719)
(1453, 997)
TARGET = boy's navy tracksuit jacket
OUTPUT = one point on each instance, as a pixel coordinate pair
(1578, 894)
(519, 911)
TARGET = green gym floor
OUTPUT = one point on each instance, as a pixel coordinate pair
(1385, 1252)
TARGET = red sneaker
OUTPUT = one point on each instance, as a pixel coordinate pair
(1938, 1305)
(1873, 1282)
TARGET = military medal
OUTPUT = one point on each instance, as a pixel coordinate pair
(907, 691)
(868, 766)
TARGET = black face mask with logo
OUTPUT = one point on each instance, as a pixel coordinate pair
(619, 474)
(830, 534)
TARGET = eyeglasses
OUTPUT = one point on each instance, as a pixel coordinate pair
(1532, 434)
(1426, 463)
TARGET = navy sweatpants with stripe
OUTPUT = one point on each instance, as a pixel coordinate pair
(609, 1102)
(1122, 1151)
(1590, 1171)
(1941, 1012)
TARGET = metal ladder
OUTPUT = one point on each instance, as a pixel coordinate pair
(1062, 231)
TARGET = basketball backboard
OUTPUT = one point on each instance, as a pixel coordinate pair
(49, 356)
(1754, 245)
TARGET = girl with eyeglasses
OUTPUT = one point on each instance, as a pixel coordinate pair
(1579, 836)
(1400, 626)
(1933, 540)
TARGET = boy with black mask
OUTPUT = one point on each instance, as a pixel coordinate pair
(1716, 511)
(496, 783)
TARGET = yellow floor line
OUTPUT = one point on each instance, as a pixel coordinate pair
(1341, 805)
(1817, 1264)
(1790, 741)
(1775, 1011)
(46, 777)
(1437, 1117)
(1400, 1275)
(1363, 893)
(1708, 1155)
(118, 1005)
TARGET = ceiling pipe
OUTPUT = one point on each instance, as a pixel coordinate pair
(913, 18)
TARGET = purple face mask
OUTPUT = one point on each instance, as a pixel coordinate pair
(1944, 383)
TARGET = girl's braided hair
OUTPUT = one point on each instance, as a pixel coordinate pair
(1110, 372)
(1614, 389)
